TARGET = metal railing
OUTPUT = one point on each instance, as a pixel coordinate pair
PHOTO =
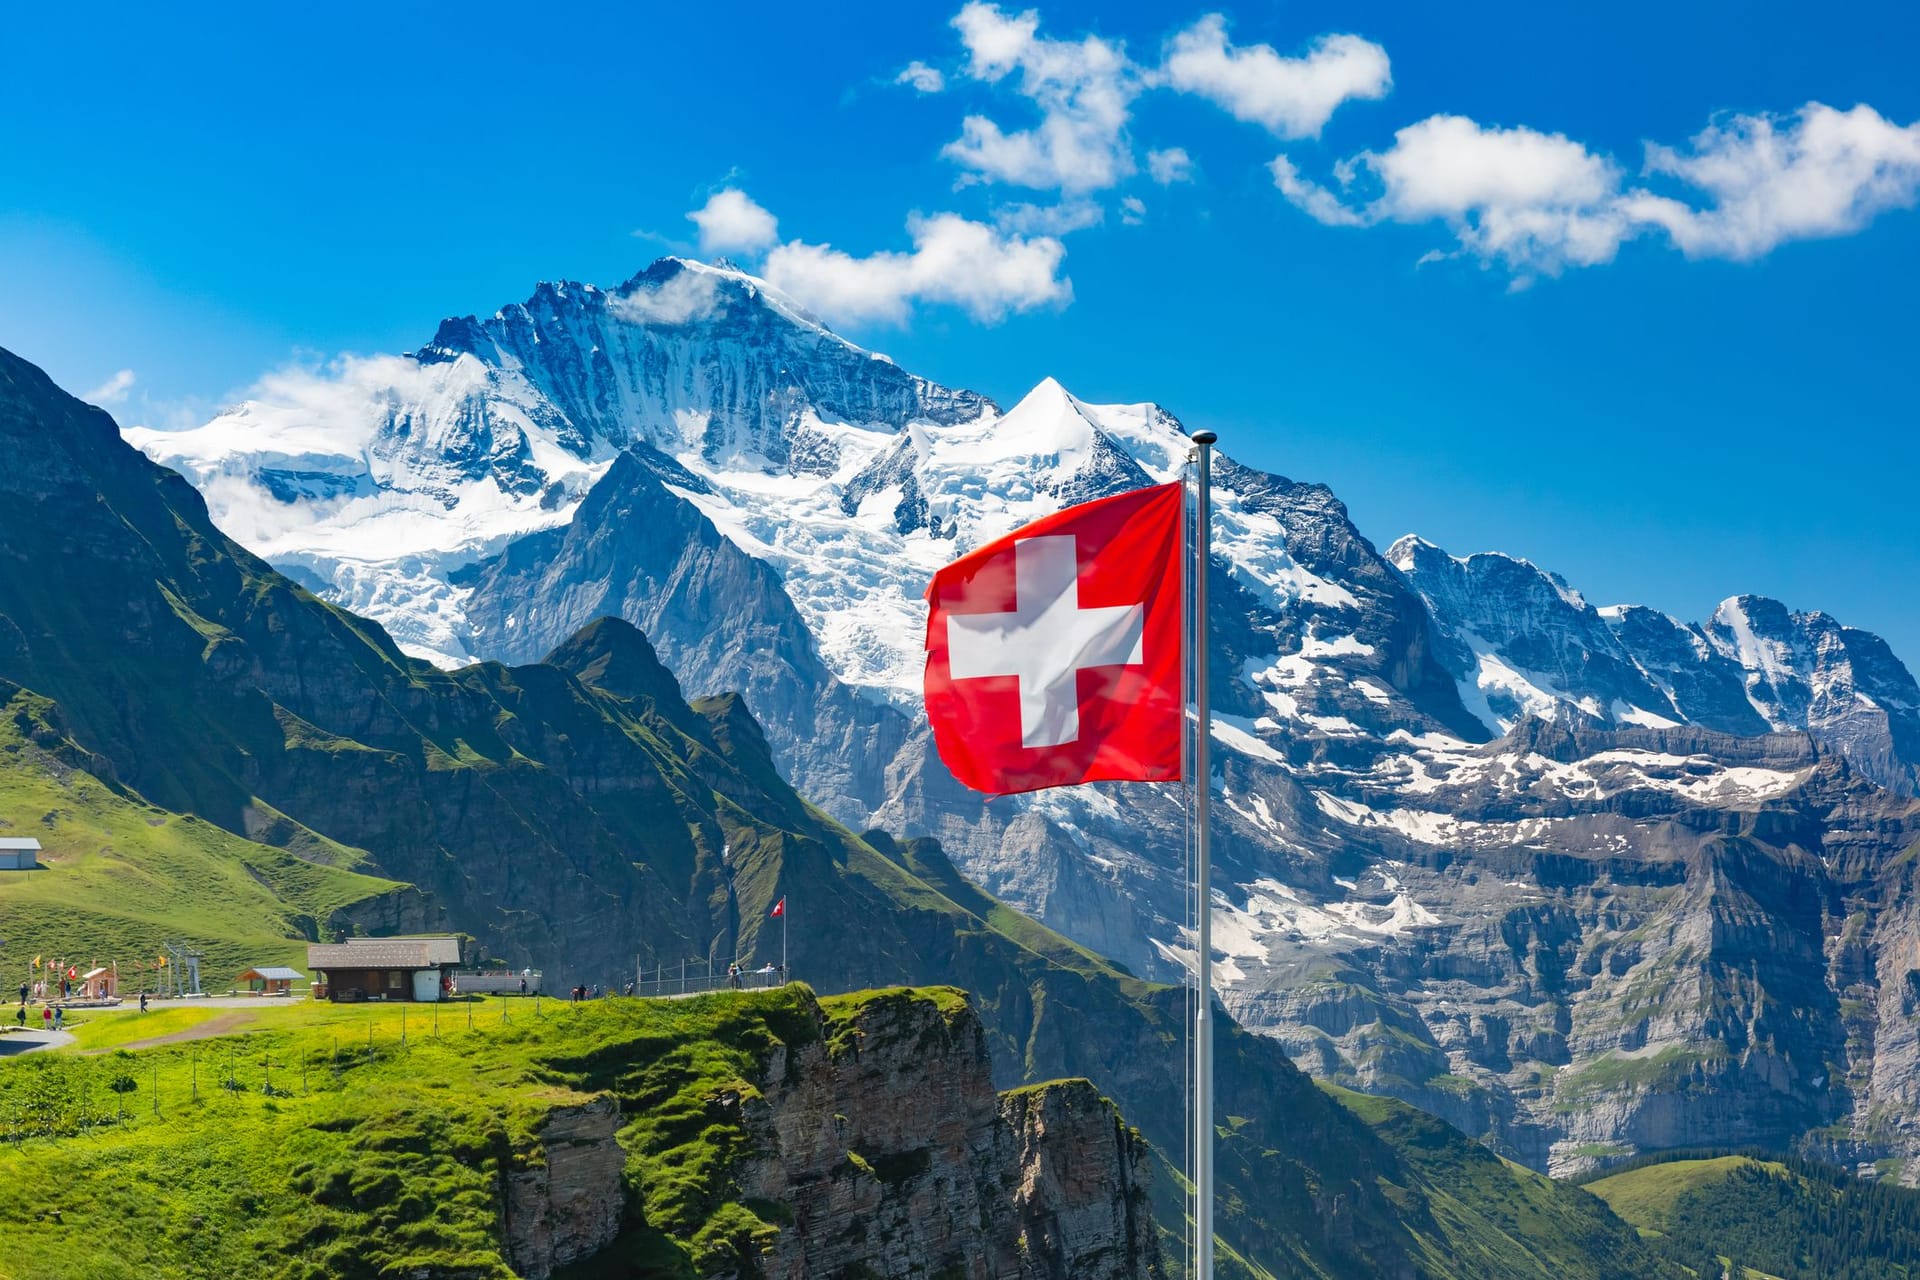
(674, 983)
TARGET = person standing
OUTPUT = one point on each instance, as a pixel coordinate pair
(143, 1002)
(23, 995)
(46, 1018)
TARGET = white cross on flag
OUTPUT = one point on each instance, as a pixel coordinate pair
(1054, 654)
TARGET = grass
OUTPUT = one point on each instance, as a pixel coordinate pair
(1480, 1215)
(119, 876)
(375, 1155)
(1645, 1196)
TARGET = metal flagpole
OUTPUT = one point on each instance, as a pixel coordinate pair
(783, 939)
(1203, 1136)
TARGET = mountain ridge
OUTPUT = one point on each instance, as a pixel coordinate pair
(1388, 821)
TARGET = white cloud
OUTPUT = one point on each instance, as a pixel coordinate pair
(1049, 220)
(1318, 202)
(684, 297)
(923, 78)
(1133, 210)
(1828, 173)
(1170, 166)
(1292, 97)
(113, 390)
(1538, 203)
(987, 272)
(1445, 165)
(1084, 90)
(731, 222)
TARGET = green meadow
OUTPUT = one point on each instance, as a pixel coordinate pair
(118, 877)
(320, 1142)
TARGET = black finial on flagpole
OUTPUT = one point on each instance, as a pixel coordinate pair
(1201, 777)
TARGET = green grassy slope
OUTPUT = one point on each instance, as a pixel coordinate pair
(1482, 1215)
(119, 876)
(369, 1162)
(1785, 1217)
(1646, 1196)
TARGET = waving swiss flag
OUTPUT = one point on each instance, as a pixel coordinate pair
(1054, 654)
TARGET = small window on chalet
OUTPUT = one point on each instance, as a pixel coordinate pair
(395, 979)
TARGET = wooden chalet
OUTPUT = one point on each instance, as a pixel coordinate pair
(416, 968)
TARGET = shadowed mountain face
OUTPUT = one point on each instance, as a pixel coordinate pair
(572, 813)
(1481, 844)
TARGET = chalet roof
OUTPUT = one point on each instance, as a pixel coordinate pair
(274, 973)
(94, 973)
(384, 953)
(10, 844)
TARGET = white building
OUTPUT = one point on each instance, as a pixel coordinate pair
(19, 854)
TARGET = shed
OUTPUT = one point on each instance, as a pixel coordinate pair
(19, 853)
(99, 983)
(414, 968)
(273, 980)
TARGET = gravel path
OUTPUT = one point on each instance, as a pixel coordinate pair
(18, 1042)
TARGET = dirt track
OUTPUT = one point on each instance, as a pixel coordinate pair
(211, 1027)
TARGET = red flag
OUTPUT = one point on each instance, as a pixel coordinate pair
(779, 909)
(1054, 653)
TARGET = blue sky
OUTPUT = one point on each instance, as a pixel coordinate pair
(1670, 374)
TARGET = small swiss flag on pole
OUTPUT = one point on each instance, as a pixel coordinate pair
(779, 909)
(1054, 654)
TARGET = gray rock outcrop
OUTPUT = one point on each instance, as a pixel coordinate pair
(565, 1203)
(892, 1152)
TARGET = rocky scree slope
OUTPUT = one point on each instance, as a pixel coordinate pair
(574, 813)
(1392, 828)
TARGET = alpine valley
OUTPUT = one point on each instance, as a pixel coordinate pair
(1584, 882)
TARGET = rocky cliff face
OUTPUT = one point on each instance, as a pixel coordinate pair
(895, 1158)
(566, 1204)
(640, 549)
(891, 1157)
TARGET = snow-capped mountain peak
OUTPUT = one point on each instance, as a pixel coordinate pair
(372, 477)
(1521, 643)
(379, 479)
